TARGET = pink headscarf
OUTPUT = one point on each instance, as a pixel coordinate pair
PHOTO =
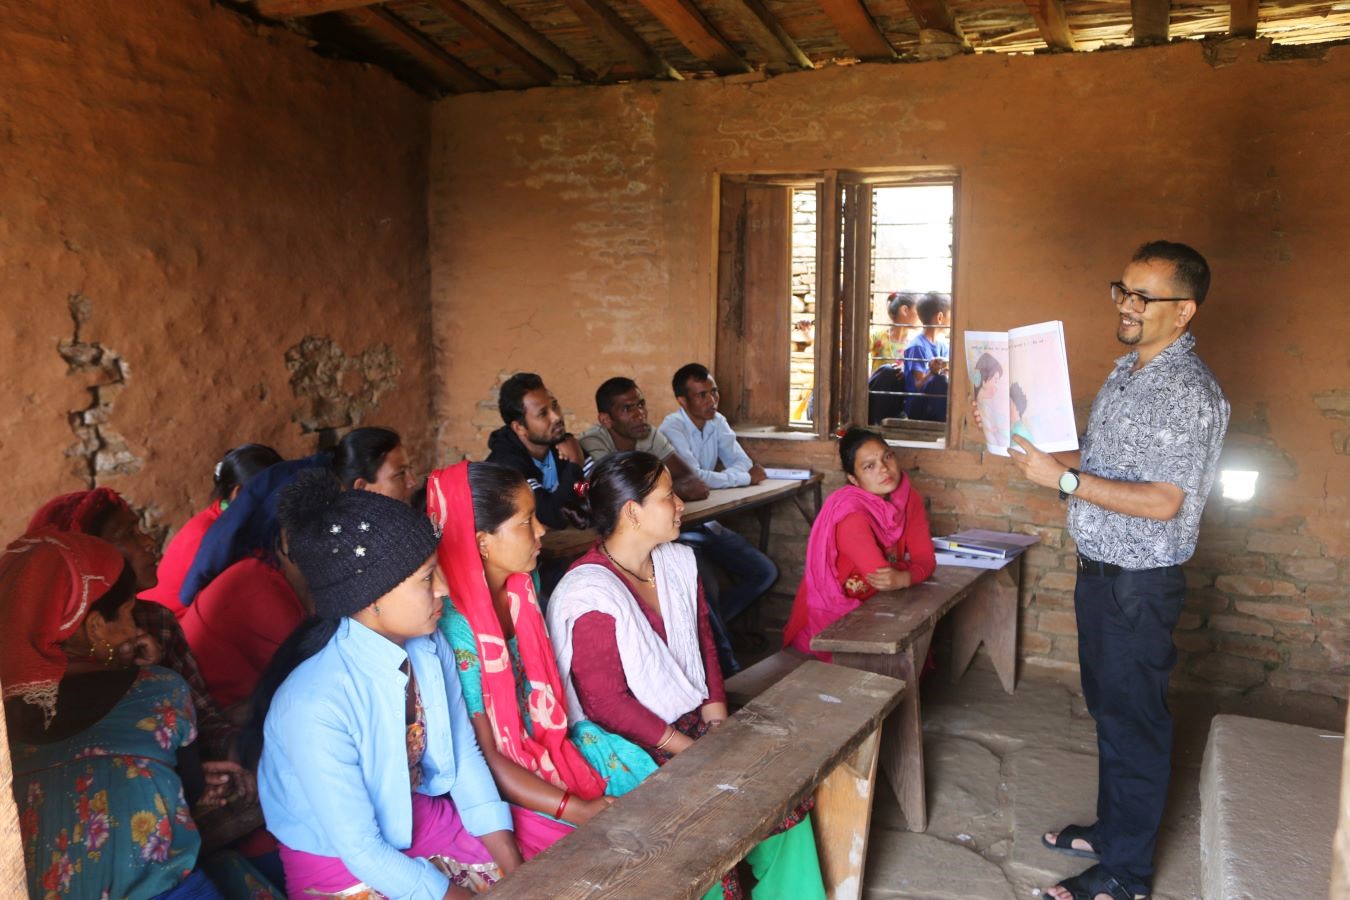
(548, 753)
(820, 598)
(48, 581)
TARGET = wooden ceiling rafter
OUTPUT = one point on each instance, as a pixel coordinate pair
(299, 9)
(502, 45)
(1242, 15)
(505, 20)
(1052, 24)
(610, 27)
(768, 34)
(1152, 21)
(687, 22)
(859, 31)
(452, 73)
(934, 15)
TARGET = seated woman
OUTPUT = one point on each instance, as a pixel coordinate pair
(870, 535)
(635, 651)
(551, 774)
(103, 513)
(373, 459)
(105, 763)
(370, 776)
(231, 474)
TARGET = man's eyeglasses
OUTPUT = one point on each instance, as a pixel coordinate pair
(1120, 295)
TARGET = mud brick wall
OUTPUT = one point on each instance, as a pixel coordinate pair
(573, 234)
(208, 235)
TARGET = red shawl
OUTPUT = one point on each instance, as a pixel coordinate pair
(77, 511)
(48, 581)
(548, 753)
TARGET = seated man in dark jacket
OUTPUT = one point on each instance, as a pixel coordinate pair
(534, 442)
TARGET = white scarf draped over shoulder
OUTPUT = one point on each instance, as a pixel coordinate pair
(666, 677)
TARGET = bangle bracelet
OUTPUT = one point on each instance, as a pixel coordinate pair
(666, 740)
(562, 805)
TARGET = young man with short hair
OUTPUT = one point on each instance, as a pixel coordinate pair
(534, 441)
(621, 410)
(926, 356)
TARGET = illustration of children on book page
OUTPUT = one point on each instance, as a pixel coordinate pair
(987, 379)
(1020, 380)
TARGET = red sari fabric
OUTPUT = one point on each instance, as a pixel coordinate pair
(894, 523)
(236, 624)
(544, 749)
(177, 559)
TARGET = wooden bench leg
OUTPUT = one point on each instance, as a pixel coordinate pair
(902, 735)
(989, 616)
(842, 817)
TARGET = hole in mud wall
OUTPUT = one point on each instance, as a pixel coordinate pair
(337, 391)
(98, 449)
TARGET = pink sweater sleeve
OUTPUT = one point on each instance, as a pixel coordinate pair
(918, 541)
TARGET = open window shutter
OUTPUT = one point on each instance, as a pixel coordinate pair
(754, 293)
(855, 282)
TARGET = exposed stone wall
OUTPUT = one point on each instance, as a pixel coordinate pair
(573, 234)
(183, 197)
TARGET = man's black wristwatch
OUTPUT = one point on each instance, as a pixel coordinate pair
(1068, 483)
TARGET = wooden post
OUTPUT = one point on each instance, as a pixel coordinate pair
(989, 616)
(843, 816)
(13, 880)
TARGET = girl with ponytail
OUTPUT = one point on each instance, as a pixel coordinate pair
(370, 776)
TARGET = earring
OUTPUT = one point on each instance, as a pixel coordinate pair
(112, 651)
(377, 608)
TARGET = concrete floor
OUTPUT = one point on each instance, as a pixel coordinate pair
(1001, 770)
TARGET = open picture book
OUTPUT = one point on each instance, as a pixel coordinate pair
(1020, 383)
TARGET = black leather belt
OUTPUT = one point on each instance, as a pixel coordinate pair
(1100, 569)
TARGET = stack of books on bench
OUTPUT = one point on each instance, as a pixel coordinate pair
(981, 549)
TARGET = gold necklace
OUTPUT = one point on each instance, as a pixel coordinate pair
(635, 576)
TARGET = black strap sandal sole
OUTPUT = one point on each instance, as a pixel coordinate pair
(1096, 880)
(1067, 835)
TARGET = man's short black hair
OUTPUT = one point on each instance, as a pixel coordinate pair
(511, 399)
(686, 373)
(1190, 272)
(933, 303)
(611, 390)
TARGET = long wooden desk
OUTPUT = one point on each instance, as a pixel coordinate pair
(890, 635)
(758, 497)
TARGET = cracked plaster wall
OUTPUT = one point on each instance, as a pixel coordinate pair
(183, 197)
(573, 234)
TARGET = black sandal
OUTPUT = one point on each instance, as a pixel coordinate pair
(1070, 833)
(1096, 880)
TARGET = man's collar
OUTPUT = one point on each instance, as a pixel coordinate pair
(690, 419)
(1182, 344)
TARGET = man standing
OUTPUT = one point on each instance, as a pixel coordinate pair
(1135, 492)
(703, 437)
(534, 442)
(621, 410)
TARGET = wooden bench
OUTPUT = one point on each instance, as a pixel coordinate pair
(759, 498)
(676, 834)
(890, 634)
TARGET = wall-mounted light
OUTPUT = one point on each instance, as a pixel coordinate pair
(1238, 484)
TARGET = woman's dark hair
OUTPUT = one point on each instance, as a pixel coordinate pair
(899, 299)
(361, 453)
(1018, 398)
(988, 367)
(308, 638)
(237, 466)
(123, 590)
(618, 478)
(852, 442)
(493, 488)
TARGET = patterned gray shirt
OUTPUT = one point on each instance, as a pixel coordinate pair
(1165, 422)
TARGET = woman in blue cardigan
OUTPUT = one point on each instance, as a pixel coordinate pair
(370, 776)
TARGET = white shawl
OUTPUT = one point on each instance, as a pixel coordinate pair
(667, 678)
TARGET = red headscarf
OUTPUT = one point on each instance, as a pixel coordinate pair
(77, 511)
(48, 581)
(548, 753)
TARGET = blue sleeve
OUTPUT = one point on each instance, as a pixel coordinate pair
(330, 779)
(474, 791)
(460, 634)
(713, 479)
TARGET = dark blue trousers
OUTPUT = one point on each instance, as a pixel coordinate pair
(1126, 654)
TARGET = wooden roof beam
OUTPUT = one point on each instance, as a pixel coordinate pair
(687, 22)
(610, 27)
(933, 15)
(768, 34)
(1151, 20)
(854, 24)
(1054, 27)
(1242, 16)
(448, 70)
(502, 45)
(505, 20)
(298, 9)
